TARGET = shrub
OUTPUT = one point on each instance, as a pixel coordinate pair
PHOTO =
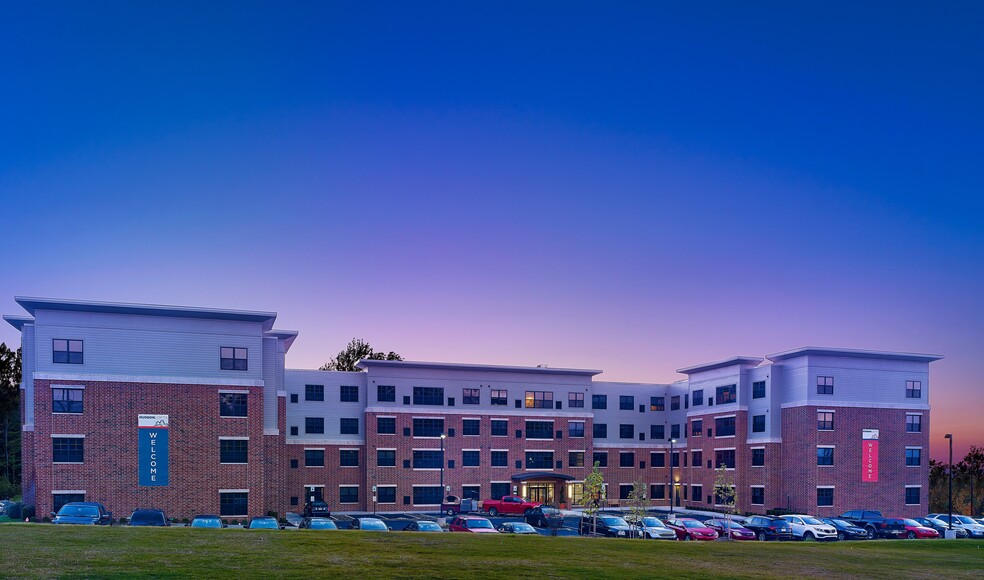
(14, 511)
(123, 521)
(46, 520)
(27, 512)
(273, 514)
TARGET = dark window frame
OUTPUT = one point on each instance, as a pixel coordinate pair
(68, 356)
(68, 449)
(386, 393)
(428, 396)
(539, 399)
(314, 425)
(65, 404)
(314, 392)
(825, 385)
(347, 456)
(234, 451)
(233, 362)
(348, 425)
(913, 389)
(575, 400)
(726, 394)
(470, 396)
(348, 394)
(499, 398)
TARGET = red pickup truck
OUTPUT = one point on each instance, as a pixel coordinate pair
(508, 505)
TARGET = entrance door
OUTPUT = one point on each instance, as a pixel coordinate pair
(540, 492)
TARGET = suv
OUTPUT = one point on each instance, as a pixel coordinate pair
(316, 509)
(874, 524)
(148, 518)
(610, 526)
(809, 528)
(973, 528)
(769, 528)
(83, 513)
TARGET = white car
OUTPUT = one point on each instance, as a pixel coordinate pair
(653, 529)
(973, 527)
(809, 528)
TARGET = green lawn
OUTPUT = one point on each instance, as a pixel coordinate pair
(48, 550)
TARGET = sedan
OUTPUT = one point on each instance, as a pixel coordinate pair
(545, 517)
(690, 529)
(735, 530)
(974, 529)
(264, 523)
(317, 524)
(370, 525)
(940, 527)
(423, 526)
(916, 530)
(83, 513)
(206, 521)
(845, 529)
(472, 524)
(148, 518)
(653, 529)
(517, 528)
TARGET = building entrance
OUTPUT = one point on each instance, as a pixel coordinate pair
(540, 492)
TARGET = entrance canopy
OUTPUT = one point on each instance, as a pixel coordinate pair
(542, 476)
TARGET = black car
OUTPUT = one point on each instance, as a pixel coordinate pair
(316, 509)
(769, 528)
(423, 526)
(83, 513)
(845, 529)
(148, 518)
(604, 525)
(545, 517)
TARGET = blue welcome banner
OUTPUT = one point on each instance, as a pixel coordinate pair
(152, 449)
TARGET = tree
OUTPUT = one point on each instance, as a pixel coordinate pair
(638, 502)
(594, 487)
(10, 436)
(356, 350)
(970, 470)
(725, 494)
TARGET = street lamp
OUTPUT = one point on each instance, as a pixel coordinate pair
(443, 436)
(949, 497)
(672, 487)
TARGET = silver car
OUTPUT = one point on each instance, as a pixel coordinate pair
(653, 529)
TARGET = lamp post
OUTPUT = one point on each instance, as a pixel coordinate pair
(949, 497)
(443, 436)
(672, 486)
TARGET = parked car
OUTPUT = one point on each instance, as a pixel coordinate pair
(370, 525)
(207, 521)
(769, 528)
(690, 529)
(423, 526)
(148, 518)
(846, 530)
(916, 530)
(316, 509)
(4, 504)
(874, 524)
(941, 527)
(545, 517)
(736, 530)
(83, 513)
(264, 523)
(509, 505)
(604, 525)
(317, 524)
(652, 528)
(517, 528)
(472, 524)
(809, 528)
(974, 529)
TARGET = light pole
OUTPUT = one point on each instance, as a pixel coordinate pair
(672, 486)
(949, 497)
(443, 436)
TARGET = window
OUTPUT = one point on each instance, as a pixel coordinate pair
(471, 396)
(758, 424)
(471, 492)
(427, 459)
(913, 423)
(500, 427)
(60, 499)
(911, 495)
(913, 389)
(65, 351)
(539, 460)
(626, 459)
(825, 420)
(293, 397)
(724, 457)
(825, 385)
(626, 431)
(657, 431)
(696, 492)
(539, 400)
(233, 450)
(674, 431)
(657, 403)
(758, 495)
(314, 392)
(686, 401)
(386, 425)
(427, 495)
(696, 458)
(470, 426)
(428, 396)
(675, 459)
(724, 494)
(348, 458)
(499, 489)
(386, 458)
(600, 457)
(724, 426)
(626, 402)
(698, 397)
(233, 503)
(314, 425)
(575, 429)
(599, 401)
(232, 358)
(386, 393)
(348, 426)
(293, 431)
(348, 494)
(500, 459)
(625, 490)
(674, 402)
(230, 405)
(657, 491)
(913, 457)
(65, 400)
(726, 394)
(314, 458)
(575, 459)
(696, 427)
(600, 430)
(499, 397)
(575, 400)
(758, 392)
(349, 394)
(825, 455)
(469, 458)
(825, 496)
(758, 457)
(67, 449)
(428, 427)
(386, 494)
(657, 459)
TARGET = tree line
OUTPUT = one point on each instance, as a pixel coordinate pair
(968, 475)
(10, 428)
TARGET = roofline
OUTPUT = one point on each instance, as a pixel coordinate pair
(16, 321)
(365, 363)
(735, 360)
(854, 353)
(32, 304)
(287, 335)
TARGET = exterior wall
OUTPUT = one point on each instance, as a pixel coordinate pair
(332, 410)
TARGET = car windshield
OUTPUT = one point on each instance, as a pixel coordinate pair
(206, 523)
(264, 523)
(523, 528)
(371, 524)
(652, 523)
(614, 521)
(912, 523)
(428, 527)
(840, 523)
(79, 511)
(479, 524)
(146, 516)
(692, 524)
(812, 521)
(322, 524)
(965, 519)
(549, 511)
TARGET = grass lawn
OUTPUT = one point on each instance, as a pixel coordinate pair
(48, 550)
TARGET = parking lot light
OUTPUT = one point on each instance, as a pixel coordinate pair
(672, 486)
(949, 500)
(443, 436)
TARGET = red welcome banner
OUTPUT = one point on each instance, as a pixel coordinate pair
(869, 455)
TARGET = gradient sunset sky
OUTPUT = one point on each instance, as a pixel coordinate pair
(634, 187)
